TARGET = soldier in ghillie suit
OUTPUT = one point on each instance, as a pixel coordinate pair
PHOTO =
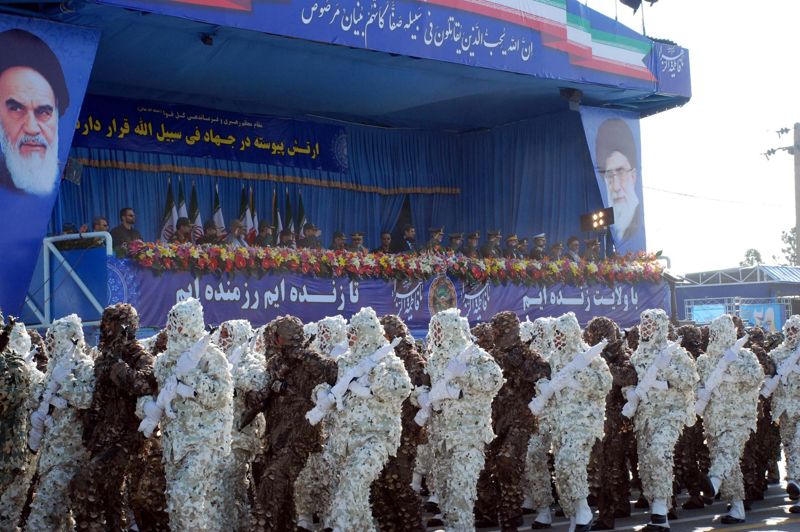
(395, 505)
(484, 336)
(691, 452)
(56, 428)
(147, 482)
(40, 354)
(464, 381)
(293, 371)
(571, 398)
(312, 488)
(248, 372)
(759, 447)
(609, 458)
(20, 380)
(539, 485)
(370, 390)
(196, 400)
(660, 405)
(123, 372)
(501, 487)
(785, 394)
(731, 378)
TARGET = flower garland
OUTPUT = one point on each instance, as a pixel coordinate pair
(258, 261)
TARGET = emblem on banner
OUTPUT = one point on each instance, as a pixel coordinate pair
(441, 295)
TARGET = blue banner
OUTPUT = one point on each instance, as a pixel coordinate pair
(768, 316)
(192, 131)
(553, 39)
(262, 299)
(44, 70)
(615, 147)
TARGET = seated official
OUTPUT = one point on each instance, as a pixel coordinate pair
(311, 237)
(470, 249)
(338, 241)
(434, 243)
(286, 239)
(357, 243)
(573, 249)
(210, 233)
(491, 249)
(236, 236)
(407, 244)
(539, 250)
(265, 234)
(454, 242)
(183, 232)
(386, 243)
(556, 251)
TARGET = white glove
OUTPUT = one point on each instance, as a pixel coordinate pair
(166, 395)
(37, 429)
(537, 404)
(151, 409)
(58, 402)
(364, 367)
(561, 380)
(662, 359)
(456, 368)
(660, 385)
(359, 390)
(546, 389)
(185, 391)
(424, 400)
(730, 355)
(185, 364)
(704, 395)
(60, 372)
(629, 409)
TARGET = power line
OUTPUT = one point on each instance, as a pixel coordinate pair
(718, 200)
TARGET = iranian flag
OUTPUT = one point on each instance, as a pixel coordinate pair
(194, 215)
(244, 212)
(277, 223)
(252, 232)
(170, 217)
(301, 216)
(181, 201)
(287, 214)
(219, 220)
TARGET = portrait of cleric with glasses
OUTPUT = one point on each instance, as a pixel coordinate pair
(616, 153)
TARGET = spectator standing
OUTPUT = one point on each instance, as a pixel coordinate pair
(125, 232)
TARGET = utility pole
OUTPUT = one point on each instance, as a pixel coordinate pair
(796, 152)
(794, 149)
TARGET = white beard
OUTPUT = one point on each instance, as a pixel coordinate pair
(34, 174)
(623, 216)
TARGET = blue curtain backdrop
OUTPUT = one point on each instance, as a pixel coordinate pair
(526, 178)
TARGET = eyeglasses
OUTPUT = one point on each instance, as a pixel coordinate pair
(612, 173)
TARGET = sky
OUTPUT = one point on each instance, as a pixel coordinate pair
(709, 193)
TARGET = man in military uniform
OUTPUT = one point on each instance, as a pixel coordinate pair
(310, 238)
(470, 249)
(539, 246)
(338, 241)
(434, 244)
(491, 249)
(456, 239)
(511, 250)
(357, 243)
